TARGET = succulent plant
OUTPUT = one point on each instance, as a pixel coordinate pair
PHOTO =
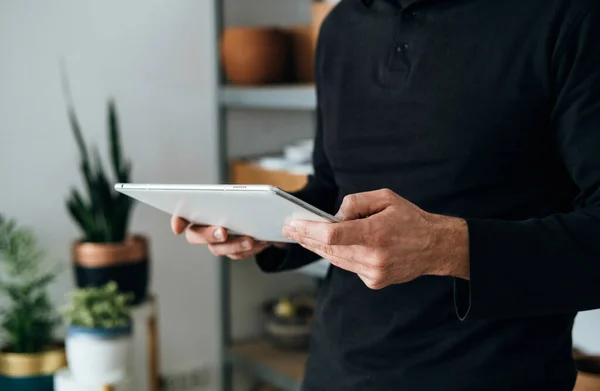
(101, 307)
(103, 215)
(27, 321)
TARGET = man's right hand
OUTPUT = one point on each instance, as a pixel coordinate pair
(218, 240)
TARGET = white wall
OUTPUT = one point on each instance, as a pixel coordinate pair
(156, 59)
(586, 333)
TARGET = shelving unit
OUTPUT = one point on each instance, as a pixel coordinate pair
(283, 369)
(248, 173)
(283, 97)
(242, 172)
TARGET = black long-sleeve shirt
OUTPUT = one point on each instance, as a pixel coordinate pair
(488, 110)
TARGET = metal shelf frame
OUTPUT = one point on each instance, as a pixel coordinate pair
(277, 97)
(273, 97)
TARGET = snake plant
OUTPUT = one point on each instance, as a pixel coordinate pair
(103, 215)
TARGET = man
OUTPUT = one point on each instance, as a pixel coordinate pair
(459, 141)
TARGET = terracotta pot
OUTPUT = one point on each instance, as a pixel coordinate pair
(31, 372)
(126, 263)
(303, 55)
(320, 10)
(254, 55)
(588, 377)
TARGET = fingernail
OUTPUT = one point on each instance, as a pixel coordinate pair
(292, 226)
(218, 234)
(246, 245)
(340, 215)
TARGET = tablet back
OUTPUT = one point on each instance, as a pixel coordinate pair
(251, 210)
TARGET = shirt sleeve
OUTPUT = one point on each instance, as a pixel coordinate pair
(320, 191)
(549, 265)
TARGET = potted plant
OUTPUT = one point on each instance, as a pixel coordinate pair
(107, 252)
(29, 355)
(99, 334)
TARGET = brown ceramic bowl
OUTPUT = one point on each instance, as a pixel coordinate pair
(302, 53)
(254, 55)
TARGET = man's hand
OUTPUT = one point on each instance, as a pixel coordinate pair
(387, 240)
(219, 243)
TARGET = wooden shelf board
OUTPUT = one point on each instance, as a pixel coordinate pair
(277, 97)
(247, 173)
(280, 368)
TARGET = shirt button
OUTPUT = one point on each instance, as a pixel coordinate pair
(401, 48)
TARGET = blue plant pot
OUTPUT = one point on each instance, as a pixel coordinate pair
(31, 372)
(100, 333)
(34, 383)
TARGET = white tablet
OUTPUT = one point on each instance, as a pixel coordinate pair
(258, 211)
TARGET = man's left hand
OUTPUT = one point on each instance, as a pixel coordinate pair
(387, 240)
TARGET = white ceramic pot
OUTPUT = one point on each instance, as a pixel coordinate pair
(98, 356)
(64, 381)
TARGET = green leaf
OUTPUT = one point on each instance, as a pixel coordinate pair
(77, 133)
(121, 215)
(92, 191)
(102, 307)
(27, 320)
(80, 210)
(125, 172)
(104, 194)
(40, 282)
(114, 140)
(84, 219)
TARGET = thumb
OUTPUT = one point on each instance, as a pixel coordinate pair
(359, 205)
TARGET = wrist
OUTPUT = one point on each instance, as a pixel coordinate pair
(451, 251)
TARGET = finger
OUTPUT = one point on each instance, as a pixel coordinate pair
(178, 224)
(362, 270)
(340, 262)
(350, 253)
(344, 233)
(202, 234)
(359, 205)
(247, 254)
(372, 284)
(232, 246)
